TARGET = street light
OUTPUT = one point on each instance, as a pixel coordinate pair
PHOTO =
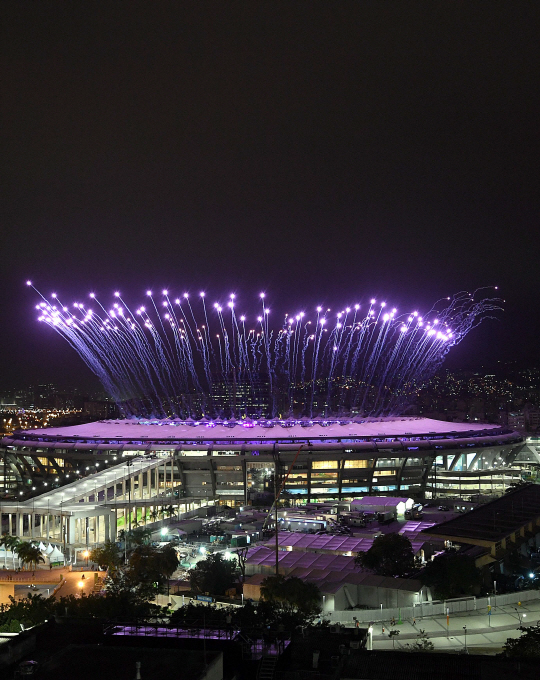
(81, 588)
(86, 555)
(278, 491)
(465, 630)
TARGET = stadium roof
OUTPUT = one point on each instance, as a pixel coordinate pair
(189, 430)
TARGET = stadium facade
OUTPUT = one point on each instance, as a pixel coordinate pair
(235, 462)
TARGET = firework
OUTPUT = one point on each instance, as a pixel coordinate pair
(176, 357)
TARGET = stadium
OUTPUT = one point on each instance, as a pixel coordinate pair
(215, 412)
(236, 462)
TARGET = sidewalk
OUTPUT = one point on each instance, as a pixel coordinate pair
(483, 631)
(33, 576)
(71, 585)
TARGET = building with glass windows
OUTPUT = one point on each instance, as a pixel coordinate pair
(236, 462)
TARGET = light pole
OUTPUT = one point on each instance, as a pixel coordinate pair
(80, 584)
(465, 631)
(126, 530)
(277, 495)
(382, 627)
(86, 555)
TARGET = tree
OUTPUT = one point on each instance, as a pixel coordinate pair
(528, 645)
(214, 575)
(421, 644)
(292, 593)
(390, 555)
(108, 555)
(169, 511)
(29, 611)
(10, 543)
(241, 556)
(145, 574)
(452, 574)
(137, 536)
(29, 553)
(152, 567)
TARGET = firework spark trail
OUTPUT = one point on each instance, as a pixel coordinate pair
(156, 360)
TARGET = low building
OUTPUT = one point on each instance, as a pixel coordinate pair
(509, 522)
(347, 590)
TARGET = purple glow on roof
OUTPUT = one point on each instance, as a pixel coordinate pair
(258, 430)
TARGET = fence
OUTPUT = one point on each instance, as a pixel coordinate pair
(435, 608)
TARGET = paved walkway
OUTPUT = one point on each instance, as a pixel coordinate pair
(71, 585)
(484, 633)
(32, 575)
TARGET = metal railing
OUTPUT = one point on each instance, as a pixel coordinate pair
(435, 608)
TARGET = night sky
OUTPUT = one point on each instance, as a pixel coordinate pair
(321, 152)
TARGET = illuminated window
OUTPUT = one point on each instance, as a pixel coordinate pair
(366, 463)
(324, 465)
(324, 475)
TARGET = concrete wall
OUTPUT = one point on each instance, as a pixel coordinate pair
(6, 589)
(214, 670)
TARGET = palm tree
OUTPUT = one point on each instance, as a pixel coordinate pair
(35, 556)
(10, 543)
(29, 554)
(154, 515)
(169, 511)
(140, 535)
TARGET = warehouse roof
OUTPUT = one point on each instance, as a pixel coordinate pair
(493, 521)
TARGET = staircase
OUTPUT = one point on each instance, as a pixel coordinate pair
(267, 668)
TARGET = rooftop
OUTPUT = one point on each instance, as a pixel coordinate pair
(386, 501)
(137, 429)
(493, 521)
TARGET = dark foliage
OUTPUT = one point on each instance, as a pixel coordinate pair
(390, 555)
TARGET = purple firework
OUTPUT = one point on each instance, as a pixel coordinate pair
(172, 357)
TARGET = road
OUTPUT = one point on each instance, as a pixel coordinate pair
(71, 585)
